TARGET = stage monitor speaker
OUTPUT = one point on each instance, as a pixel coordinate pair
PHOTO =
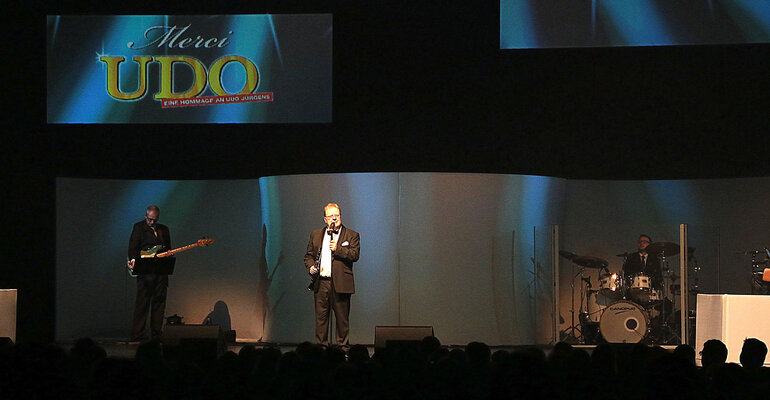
(387, 336)
(229, 336)
(198, 343)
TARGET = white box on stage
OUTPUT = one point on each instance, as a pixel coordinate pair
(8, 313)
(732, 318)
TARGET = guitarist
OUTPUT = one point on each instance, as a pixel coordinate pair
(150, 288)
(333, 274)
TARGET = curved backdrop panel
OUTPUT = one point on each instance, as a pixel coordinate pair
(447, 250)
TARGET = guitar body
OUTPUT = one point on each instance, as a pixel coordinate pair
(151, 252)
(313, 279)
(156, 251)
(313, 286)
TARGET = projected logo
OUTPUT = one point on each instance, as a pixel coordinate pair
(174, 37)
(247, 68)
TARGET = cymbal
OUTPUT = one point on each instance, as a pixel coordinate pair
(666, 248)
(590, 262)
(566, 254)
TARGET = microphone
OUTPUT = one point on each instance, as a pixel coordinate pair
(330, 231)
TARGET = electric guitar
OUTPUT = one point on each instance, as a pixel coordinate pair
(156, 252)
(313, 278)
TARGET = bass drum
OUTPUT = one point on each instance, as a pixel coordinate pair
(624, 322)
(597, 302)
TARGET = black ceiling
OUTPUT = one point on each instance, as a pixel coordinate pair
(424, 87)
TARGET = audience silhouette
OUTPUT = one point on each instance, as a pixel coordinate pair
(426, 370)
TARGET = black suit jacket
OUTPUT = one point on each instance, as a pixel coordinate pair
(143, 237)
(652, 269)
(348, 249)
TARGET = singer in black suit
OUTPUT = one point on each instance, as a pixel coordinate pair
(331, 252)
(641, 261)
(150, 288)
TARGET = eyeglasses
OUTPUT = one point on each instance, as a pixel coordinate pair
(332, 216)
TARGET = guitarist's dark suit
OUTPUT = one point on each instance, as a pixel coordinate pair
(341, 283)
(150, 288)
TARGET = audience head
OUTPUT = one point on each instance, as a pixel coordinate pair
(358, 354)
(478, 354)
(753, 353)
(86, 351)
(714, 352)
(559, 353)
(429, 345)
(685, 352)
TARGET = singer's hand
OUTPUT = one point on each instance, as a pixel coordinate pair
(333, 245)
(313, 270)
(131, 264)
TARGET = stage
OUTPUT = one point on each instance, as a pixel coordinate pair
(126, 349)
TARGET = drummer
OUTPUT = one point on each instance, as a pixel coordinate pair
(641, 261)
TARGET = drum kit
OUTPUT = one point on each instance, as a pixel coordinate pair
(760, 270)
(624, 308)
(760, 261)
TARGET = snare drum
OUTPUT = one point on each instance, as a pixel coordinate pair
(611, 285)
(624, 322)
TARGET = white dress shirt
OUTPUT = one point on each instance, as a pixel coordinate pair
(326, 254)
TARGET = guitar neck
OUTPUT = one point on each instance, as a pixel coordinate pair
(177, 250)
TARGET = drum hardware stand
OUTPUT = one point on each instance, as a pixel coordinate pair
(667, 334)
(573, 334)
(695, 269)
(694, 289)
(583, 316)
(622, 273)
(758, 268)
